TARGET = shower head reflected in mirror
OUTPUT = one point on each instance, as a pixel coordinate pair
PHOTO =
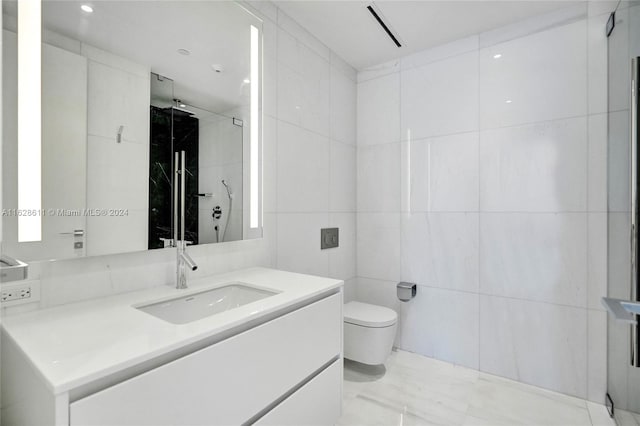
(226, 185)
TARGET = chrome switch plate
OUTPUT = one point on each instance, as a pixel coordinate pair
(329, 238)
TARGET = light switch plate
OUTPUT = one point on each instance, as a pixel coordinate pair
(329, 238)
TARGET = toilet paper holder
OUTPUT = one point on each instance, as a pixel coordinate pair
(406, 291)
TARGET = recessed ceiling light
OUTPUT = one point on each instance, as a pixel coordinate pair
(86, 8)
(497, 56)
(246, 81)
(183, 106)
(508, 101)
(217, 67)
(184, 52)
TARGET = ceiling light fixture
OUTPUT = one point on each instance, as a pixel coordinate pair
(217, 67)
(508, 101)
(246, 81)
(497, 56)
(86, 8)
(375, 12)
(184, 52)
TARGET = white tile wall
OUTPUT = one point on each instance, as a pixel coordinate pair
(541, 257)
(441, 174)
(534, 168)
(501, 206)
(540, 344)
(440, 98)
(299, 243)
(378, 247)
(379, 110)
(303, 170)
(441, 250)
(342, 177)
(379, 178)
(441, 324)
(547, 85)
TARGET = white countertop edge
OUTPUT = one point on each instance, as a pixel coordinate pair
(59, 386)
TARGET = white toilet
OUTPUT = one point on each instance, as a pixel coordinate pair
(369, 332)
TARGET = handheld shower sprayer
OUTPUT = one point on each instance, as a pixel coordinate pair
(228, 188)
(230, 195)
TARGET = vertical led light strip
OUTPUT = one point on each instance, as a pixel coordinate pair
(29, 120)
(254, 129)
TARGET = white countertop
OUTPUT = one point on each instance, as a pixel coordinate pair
(75, 344)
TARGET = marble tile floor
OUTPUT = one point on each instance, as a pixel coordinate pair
(415, 390)
(626, 418)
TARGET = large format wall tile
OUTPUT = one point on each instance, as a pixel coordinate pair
(303, 167)
(441, 250)
(618, 352)
(597, 163)
(619, 54)
(342, 178)
(378, 248)
(433, 105)
(440, 174)
(270, 164)
(598, 66)
(597, 356)
(303, 85)
(378, 292)
(441, 324)
(618, 160)
(379, 110)
(535, 168)
(619, 255)
(534, 256)
(343, 107)
(536, 343)
(378, 179)
(543, 75)
(342, 259)
(299, 243)
(597, 260)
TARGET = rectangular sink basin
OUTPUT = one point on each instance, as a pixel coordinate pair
(182, 310)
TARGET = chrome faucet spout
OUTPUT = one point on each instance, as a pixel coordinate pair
(188, 261)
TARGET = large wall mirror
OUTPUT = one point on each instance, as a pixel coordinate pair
(124, 86)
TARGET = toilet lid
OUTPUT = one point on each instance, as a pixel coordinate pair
(367, 315)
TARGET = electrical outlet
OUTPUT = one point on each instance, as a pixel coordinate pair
(17, 292)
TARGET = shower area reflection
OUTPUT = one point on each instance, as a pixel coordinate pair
(213, 144)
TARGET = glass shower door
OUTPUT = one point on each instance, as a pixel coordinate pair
(623, 352)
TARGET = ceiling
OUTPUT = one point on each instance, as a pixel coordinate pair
(350, 30)
(151, 33)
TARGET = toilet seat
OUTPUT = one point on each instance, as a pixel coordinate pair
(366, 315)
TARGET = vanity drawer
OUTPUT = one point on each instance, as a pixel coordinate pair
(226, 383)
(318, 402)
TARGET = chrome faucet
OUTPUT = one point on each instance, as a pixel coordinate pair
(183, 259)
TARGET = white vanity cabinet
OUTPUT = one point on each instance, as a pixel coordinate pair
(287, 370)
